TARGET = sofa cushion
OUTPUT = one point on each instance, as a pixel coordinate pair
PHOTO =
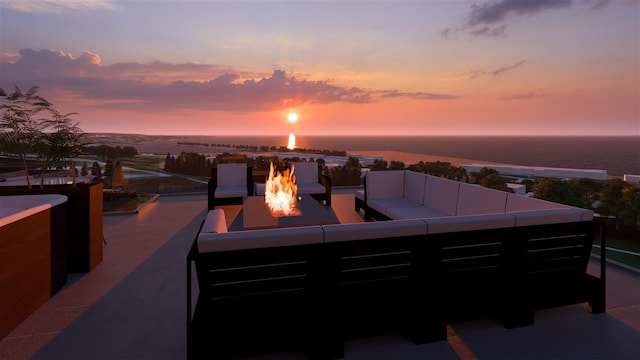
(469, 223)
(549, 216)
(586, 215)
(441, 194)
(232, 175)
(410, 210)
(359, 194)
(305, 172)
(380, 205)
(230, 191)
(311, 188)
(252, 239)
(373, 230)
(521, 203)
(385, 184)
(476, 199)
(215, 222)
(414, 183)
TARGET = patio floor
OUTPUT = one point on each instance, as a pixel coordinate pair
(132, 305)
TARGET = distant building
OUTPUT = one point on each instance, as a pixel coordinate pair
(536, 171)
(518, 188)
(632, 178)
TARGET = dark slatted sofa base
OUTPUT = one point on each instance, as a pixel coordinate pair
(313, 297)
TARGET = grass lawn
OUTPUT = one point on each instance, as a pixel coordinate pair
(626, 239)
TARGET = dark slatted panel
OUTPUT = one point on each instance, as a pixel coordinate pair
(559, 250)
(470, 253)
(247, 273)
(375, 267)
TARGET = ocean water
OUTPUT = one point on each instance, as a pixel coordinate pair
(617, 155)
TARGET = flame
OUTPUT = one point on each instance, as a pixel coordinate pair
(280, 192)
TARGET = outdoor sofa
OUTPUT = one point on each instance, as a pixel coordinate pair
(488, 254)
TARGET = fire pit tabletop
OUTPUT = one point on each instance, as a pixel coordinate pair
(255, 214)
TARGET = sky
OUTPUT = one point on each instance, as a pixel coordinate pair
(422, 67)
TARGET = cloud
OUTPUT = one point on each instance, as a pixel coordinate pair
(524, 96)
(599, 5)
(160, 86)
(8, 57)
(499, 71)
(493, 18)
(57, 6)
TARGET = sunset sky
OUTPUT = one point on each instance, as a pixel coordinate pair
(424, 67)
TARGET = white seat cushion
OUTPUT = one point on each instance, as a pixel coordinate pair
(402, 208)
(311, 188)
(373, 230)
(252, 239)
(411, 210)
(231, 191)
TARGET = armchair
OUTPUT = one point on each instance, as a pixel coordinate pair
(310, 180)
(229, 184)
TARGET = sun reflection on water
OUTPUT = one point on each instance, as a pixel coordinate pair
(292, 142)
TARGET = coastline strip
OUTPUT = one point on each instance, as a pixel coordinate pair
(413, 158)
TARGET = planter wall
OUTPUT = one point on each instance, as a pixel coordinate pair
(84, 221)
(33, 263)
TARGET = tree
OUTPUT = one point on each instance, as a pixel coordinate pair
(631, 212)
(440, 169)
(60, 144)
(20, 130)
(117, 179)
(349, 174)
(378, 165)
(564, 192)
(396, 165)
(84, 171)
(611, 201)
(491, 178)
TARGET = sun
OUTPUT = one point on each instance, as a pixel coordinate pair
(292, 117)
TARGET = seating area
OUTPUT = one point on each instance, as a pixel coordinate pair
(132, 306)
(435, 252)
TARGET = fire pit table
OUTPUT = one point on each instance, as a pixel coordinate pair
(255, 214)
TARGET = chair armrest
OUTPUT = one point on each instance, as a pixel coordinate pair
(326, 182)
(212, 185)
(249, 181)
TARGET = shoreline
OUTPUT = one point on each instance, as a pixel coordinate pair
(413, 158)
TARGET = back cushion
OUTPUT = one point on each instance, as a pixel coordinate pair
(385, 184)
(232, 174)
(414, 183)
(476, 199)
(441, 194)
(305, 172)
(521, 203)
